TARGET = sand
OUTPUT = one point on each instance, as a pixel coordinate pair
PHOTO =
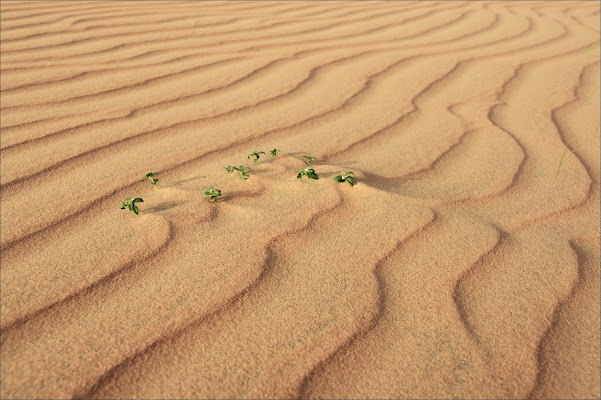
(464, 262)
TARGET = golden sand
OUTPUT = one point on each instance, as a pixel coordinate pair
(464, 263)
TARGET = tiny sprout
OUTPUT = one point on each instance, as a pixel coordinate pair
(153, 182)
(274, 153)
(131, 204)
(229, 168)
(309, 159)
(307, 171)
(241, 169)
(344, 176)
(255, 154)
(214, 193)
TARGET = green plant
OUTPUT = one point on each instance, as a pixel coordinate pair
(229, 168)
(560, 161)
(589, 48)
(131, 204)
(307, 171)
(195, 23)
(241, 169)
(589, 96)
(214, 193)
(344, 177)
(255, 154)
(309, 159)
(153, 182)
(274, 153)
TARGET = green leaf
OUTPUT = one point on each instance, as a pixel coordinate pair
(350, 181)
(136, 210)
(130, 206)
(138, 200)
(338, 178)
(122, 206)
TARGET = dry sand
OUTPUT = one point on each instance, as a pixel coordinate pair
(463, 263)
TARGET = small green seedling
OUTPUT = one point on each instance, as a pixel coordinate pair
(153, 182)
(229, 168)
(560, 161)
(307, 171)
(344, 177)
(255, 154)
(241, 169)
(214, 193)
(274, 153)
(309, 159)
(131, 204)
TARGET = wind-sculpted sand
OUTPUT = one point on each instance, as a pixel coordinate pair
(464, 263)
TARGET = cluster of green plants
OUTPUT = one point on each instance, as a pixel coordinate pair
(216, 193)
(241, 169)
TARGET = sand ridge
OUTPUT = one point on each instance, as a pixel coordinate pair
(463, 263)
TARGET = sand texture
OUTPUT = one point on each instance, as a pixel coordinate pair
(464, 262)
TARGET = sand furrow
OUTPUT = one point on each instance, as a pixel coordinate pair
(224, 44)
(199, 296)
(322, 77)
(64, 107)
(181, 23)
(587, 278)
(560, 356)
(428, 31)
(72, 98)
(515, 192)
(307, 79)
(538, 281)
(8, 243)
(164, 41)
(415, 334)
(355, 147)
(46, 167)
(364, 248)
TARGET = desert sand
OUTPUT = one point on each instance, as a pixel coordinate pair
(463, 263)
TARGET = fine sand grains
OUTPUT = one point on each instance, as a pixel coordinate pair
(464, 262)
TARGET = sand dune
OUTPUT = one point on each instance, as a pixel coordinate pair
(464, 263)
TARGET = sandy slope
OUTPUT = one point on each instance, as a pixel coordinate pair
(463, 263)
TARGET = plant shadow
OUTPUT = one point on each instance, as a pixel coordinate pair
(182, 181)
(237, 195)
(161, 207)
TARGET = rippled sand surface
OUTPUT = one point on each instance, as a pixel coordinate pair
(464, 263)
